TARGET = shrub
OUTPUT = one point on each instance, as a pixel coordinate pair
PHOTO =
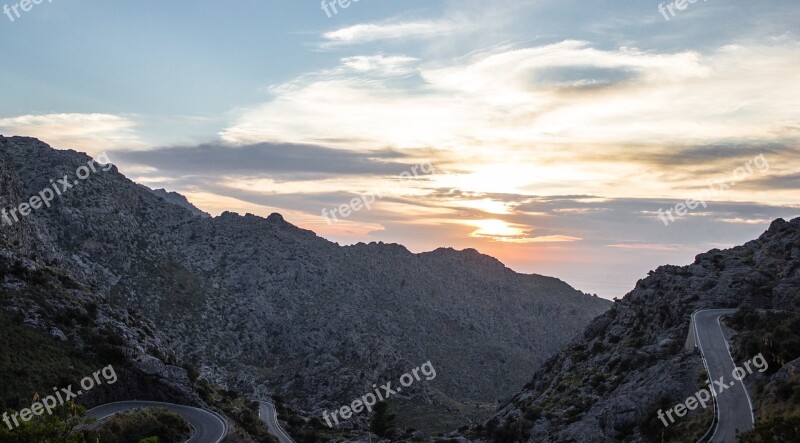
(165, 426)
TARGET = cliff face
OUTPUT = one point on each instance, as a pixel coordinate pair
(607, 384)
(266, 307)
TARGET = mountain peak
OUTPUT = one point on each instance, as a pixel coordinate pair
(179, 200)
(275, 218)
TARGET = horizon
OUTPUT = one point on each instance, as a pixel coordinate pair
(587, 142)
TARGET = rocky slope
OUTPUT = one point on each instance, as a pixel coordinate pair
(263, 306)
(608, 383)
(57, 327)
(43, 298)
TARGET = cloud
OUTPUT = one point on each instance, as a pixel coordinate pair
(789, 181)
(370, 32)
(286, 160)
(553, 239)
(651, 247)
(93, 133)
(380, 64)
(502, 231)
(568, 94)
(747, 221)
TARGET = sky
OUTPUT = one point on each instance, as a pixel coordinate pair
(587, 140)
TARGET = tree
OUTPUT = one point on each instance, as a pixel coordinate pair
(60, 427)
(382, 420)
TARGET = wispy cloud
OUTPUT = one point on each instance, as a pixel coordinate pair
(371, 32)
(651, 247)
(380, 64)
(93, 133)
(746, 221)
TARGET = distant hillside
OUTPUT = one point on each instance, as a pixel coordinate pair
(263, 306)
(608, 384)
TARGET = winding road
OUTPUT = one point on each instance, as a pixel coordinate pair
(208, 427)
(734, 408)
(268, 414)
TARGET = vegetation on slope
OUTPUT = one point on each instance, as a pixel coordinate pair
(135, 426)
(32, 362)
(776, 336)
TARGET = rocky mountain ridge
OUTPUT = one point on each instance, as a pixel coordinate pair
(260, 305)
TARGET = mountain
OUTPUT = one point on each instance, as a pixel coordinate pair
(58, 327)
(177, 199)
(267, 308)
(608, 384)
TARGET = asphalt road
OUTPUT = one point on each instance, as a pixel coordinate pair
(267, 413)
(208, 427)
(734, 405)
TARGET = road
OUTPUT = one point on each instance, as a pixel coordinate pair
(735, 410)
(267, 413)
(208, 427)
